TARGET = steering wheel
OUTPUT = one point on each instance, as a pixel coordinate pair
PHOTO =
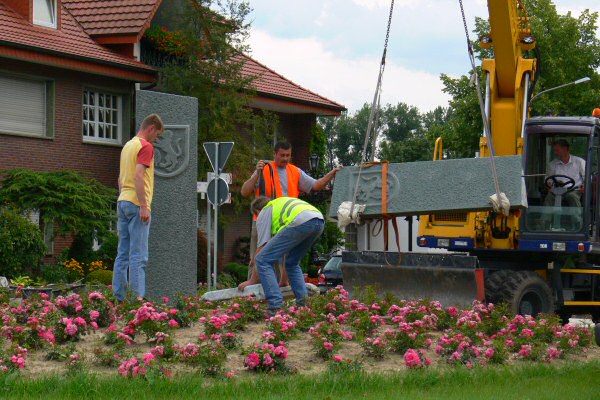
(568, 185)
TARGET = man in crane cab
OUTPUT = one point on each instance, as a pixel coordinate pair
(564, 177)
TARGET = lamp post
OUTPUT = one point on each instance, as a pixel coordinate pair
(313, 163)
(577, 82)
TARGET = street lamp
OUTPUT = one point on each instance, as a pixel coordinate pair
(577, 82)
(313, 162)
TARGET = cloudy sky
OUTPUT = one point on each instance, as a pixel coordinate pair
(334, 47)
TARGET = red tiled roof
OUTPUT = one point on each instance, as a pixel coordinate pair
(270, 83)
(69, 41)
(113, 17)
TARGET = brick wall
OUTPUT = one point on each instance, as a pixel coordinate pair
(65, 151)
(297, 129)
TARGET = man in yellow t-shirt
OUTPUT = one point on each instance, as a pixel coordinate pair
(136, 187)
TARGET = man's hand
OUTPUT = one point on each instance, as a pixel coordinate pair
(260, 165)
(336, 169)
(144, 214)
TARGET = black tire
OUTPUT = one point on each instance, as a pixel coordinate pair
(597, 334)
(596, 316)
(525, 292)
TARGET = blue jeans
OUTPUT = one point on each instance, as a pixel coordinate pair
(132, 254)
(294, 242)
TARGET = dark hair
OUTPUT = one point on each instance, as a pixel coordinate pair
(258, 204)
(562, 143)
(282, 144)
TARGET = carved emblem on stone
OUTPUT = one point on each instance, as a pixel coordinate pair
(172, 151)
(369, 191)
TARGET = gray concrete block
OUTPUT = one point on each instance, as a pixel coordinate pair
(458, 185)
(172, 266)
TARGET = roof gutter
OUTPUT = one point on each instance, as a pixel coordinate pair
(146, 70)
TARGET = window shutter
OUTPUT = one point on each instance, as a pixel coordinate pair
(22, 106)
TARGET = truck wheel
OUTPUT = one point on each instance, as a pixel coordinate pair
(524, 291)
(597, 334)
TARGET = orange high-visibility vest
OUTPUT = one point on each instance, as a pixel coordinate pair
(271, 179)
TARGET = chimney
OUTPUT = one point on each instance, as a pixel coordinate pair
(22, 7)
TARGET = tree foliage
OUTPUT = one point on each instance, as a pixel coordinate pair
(215, 34)
(75, 203)
(21, 243)
(569, 49)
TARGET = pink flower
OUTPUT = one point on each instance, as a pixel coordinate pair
(173, 323)
(173, 311)
(412, 359)
(94, 315)
(489, 353)
(552, 353)
(165, 299)
(80, 321)
(230, 374)
(338, 358)
(253, 360)
(148, 358)
(328, 346)
(71, 330)
(94, 325)
(267, 360)
(281, 352)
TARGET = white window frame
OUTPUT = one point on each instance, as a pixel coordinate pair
(95, 124)
(54, 12)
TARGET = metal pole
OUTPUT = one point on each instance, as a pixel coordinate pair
(216, 225)
(525, 105)
(208, 244)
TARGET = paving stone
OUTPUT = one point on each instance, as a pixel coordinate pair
(252, 290)
(458, 185)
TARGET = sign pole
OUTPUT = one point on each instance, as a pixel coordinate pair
(216, 225)
(208, 246)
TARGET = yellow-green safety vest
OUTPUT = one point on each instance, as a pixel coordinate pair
(285, 210)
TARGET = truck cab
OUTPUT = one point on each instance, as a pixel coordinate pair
(563, 212)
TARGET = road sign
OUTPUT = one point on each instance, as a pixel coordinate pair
(221, 192)
(218, 153)
(227, 176)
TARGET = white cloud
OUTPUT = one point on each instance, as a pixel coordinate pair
(372, 4)
(350, 81)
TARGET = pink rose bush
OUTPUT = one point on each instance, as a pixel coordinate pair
(416, 359)
(267, 358)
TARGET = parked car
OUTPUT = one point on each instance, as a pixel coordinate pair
(330, 275)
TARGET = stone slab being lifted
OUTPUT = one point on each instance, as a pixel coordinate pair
(457, 185)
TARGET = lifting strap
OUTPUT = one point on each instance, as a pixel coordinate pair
(499, 200)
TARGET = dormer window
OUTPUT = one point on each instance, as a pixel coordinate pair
(45, 13)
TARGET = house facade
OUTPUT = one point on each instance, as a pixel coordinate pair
(69, 70)
(68, 74)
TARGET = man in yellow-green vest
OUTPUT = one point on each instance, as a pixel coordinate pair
(286, 226)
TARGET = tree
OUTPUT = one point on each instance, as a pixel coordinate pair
(207, 64)
(569, 49)
(76, 203)
(347, 136)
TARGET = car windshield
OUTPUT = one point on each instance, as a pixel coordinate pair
(555, 176)
(333, 264)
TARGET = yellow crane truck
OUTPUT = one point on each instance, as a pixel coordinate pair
(543, 258)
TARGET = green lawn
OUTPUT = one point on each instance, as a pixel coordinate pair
(572, 381)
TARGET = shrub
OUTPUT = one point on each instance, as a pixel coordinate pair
(103, 277)
(21, 243)
(238, 271)
(57, 273)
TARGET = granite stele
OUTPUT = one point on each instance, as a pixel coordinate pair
(458, 185)
(172, 266)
